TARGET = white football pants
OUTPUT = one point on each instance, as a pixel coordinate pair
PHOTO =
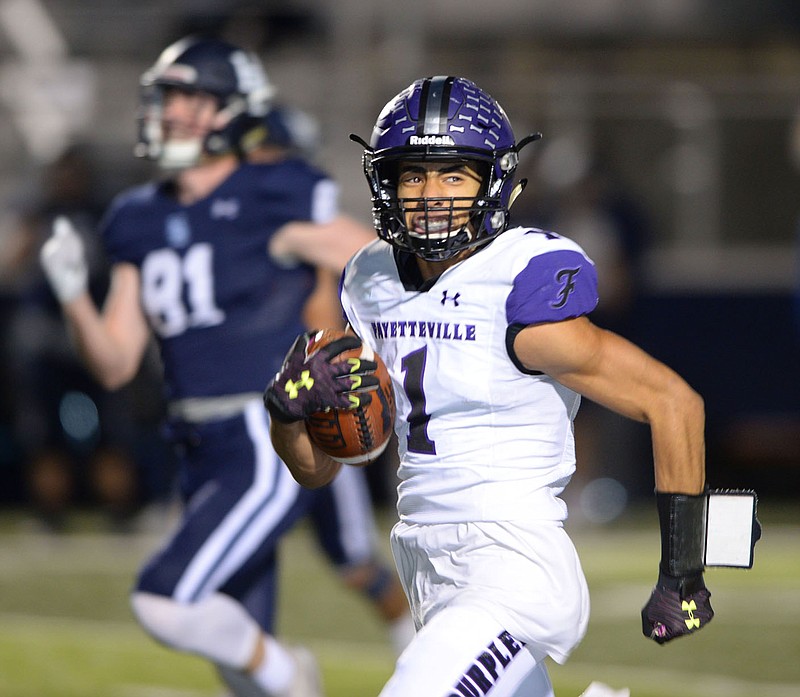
(463, 652)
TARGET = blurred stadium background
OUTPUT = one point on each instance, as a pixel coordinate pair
(671, 151)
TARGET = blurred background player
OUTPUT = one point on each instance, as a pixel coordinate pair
(190, 267)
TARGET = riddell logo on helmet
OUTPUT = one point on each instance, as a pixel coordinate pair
(431, 140)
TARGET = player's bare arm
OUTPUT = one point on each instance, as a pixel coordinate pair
(309, 466)
(112, 342)
(329, 245)
(309, 381)
(322, 309)
(612, 371)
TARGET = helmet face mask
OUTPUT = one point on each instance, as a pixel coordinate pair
(441, 119)
(211, 66)
(434, 228)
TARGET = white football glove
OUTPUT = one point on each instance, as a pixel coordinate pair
(64, 261)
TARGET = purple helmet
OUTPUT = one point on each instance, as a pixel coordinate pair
(442, 118)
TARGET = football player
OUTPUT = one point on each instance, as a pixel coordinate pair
(221, 260)
(485, 331)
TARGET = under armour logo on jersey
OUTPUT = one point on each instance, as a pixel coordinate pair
(452, 298)
(567, 277)
(225, 208)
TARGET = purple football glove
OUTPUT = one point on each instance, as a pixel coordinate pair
(677, 606)
(309, 381)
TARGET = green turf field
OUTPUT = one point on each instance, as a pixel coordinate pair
(65, 628)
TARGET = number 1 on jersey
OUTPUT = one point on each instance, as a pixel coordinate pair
(414, 368)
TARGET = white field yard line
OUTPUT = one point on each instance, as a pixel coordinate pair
(688, 684)
(124, 634)
(154, 691)
(77, 554)
(105, 552)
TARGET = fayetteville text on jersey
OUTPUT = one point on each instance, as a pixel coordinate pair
(434, 330)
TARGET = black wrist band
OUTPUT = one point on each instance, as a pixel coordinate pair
(682, 518)
(683, 585)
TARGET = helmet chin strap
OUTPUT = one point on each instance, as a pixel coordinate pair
(516, 191)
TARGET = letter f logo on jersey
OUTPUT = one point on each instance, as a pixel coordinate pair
(567, 277)
(293, 387)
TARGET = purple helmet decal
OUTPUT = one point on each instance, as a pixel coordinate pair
(443, 112)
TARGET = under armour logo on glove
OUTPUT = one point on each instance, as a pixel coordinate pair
(676, 607)
(310, 380)
(692, 622)
(293, 388)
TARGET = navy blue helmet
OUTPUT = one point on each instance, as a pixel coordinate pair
(212, 66)
(439, 119)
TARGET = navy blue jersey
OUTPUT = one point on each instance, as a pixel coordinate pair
(222, 310)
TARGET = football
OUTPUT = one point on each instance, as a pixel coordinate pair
(354, 436)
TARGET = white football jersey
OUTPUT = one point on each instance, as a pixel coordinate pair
(480, 438)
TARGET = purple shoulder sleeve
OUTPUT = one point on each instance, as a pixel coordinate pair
(554, 286)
